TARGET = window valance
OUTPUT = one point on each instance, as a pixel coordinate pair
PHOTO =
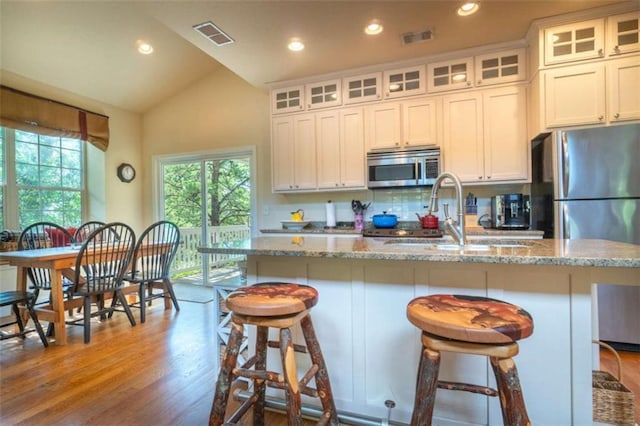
(23, 111)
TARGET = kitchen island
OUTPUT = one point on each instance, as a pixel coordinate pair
(372, 350)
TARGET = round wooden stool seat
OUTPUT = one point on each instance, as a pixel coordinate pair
(272, 299)
(470, 319)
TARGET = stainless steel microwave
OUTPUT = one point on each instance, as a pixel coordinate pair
(396, 169)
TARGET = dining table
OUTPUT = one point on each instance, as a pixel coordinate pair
(60, 261)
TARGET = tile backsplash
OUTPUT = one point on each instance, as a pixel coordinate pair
(403, 202)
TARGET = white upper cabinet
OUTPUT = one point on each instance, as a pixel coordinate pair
(406, 124)
(324, 94)
(573, 42)
(362, 88)
(289, 99)
(623, 33)
(500, 67)
(448, 75)
(485, 135)
(340, 149)
(384, 126)
(624, 89)
(419, 126)
(293, 153)
(593, 93)
(575, 95)
(404, 82)
(586, 40)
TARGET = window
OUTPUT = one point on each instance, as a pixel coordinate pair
(42, 179)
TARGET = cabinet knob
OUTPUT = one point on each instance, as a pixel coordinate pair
(343, 184)
(600, 53)
(479, 82)
(616, 49)
(616, 115)
(479, 177)
(601, 118)
(336, 184)
(397, 144)
(290, 186)
(488, 177)
(468, 83)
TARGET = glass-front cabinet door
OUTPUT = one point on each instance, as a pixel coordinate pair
(500, 67)
(362, 88)
(404, 82)
(288, 99)
(623, 33)
(324, 94)
(449, 75)
(573, 42)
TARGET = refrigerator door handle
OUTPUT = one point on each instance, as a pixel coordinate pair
(564, 229)
(563, 164)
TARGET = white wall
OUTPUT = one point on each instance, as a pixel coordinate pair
(219, 112)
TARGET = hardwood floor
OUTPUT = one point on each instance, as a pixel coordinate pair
(161, 372)
(158, 373)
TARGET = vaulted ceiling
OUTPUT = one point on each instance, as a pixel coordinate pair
(89, 47)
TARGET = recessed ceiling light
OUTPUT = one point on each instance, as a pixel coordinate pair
(295, 44)
(468, 8)
(374, 27)
(144, 47)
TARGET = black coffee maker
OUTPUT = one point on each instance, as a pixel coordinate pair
(510, 211)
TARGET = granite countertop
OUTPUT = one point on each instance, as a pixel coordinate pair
(599, 253)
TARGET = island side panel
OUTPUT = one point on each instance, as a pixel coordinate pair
(372, 350)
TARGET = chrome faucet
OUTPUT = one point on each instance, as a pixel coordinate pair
(456, 229)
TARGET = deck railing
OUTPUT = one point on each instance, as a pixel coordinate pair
(187, 257)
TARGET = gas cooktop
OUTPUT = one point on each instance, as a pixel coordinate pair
(402, 232)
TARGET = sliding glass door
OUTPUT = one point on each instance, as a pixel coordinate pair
(209, 196)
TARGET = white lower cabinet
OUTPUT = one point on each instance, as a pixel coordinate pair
(340, 149)
(293, 147)
(372, 350)
(484, 135)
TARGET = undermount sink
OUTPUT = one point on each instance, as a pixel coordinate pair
(482, 245)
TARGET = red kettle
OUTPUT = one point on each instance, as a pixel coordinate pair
(429, 221)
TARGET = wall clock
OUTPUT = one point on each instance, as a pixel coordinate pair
(126, 172)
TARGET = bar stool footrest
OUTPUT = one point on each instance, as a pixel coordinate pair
(298, 348)
(466, 387)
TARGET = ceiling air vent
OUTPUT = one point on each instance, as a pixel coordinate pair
(417, 37)
(213, 33)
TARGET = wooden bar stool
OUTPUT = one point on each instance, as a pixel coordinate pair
(281, 306)
(469, 325)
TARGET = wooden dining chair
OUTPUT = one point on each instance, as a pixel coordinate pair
(43, 235)
(15, 298)
(83, 231)
(155, 250)
(102, 261)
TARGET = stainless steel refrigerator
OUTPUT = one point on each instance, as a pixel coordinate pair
(586, 184)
